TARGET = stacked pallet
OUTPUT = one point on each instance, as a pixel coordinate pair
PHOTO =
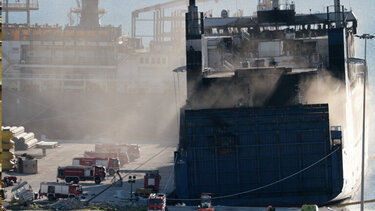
(10, 132)
(47, 144)
(22, 140)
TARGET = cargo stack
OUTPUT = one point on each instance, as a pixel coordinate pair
(24, 141)
(7, 155)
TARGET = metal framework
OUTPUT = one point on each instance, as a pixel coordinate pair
(27, 6)
(160, 20)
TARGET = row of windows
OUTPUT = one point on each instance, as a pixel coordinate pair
(153, 60)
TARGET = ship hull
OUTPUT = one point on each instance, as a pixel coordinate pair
(260, 156)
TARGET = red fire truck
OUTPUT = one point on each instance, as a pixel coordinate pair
(54, 190)
(132, 150)
(123, 157)
(206, 203)
(157, 201)
(111, 164)
(151, 179)
(81, 173)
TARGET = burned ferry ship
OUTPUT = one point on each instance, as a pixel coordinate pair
(270, 117)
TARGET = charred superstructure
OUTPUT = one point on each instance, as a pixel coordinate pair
(287, 49)
(253, 131)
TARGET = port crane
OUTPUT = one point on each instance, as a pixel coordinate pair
(159, 19)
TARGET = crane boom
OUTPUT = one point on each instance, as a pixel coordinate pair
(174, 3)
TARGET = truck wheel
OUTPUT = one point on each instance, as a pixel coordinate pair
(51, 198)
(68, 180)
(97, 180)
(111, 172)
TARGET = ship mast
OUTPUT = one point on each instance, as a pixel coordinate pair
(88, 12)
(194, 31)
(338, 14)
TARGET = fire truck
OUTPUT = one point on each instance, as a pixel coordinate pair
(205, 203)
(132, 150)
(157, 201)
(123, 157)
(54, 190)
(111, 164)
(151, 179)
(81, 173)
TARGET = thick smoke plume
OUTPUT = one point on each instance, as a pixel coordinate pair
(326, 89)
(345, 101)
(134, 117)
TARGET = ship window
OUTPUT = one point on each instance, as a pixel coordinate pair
(146, 60)
(163, 61)
(153, 61)
(158, 61)
(142, 61)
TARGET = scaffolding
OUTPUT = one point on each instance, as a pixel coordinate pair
(176, 20)
(18, 6)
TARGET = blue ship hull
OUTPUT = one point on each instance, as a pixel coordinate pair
(227, 152)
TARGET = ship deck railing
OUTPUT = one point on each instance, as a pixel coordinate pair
(20, 6)
(58, 76)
